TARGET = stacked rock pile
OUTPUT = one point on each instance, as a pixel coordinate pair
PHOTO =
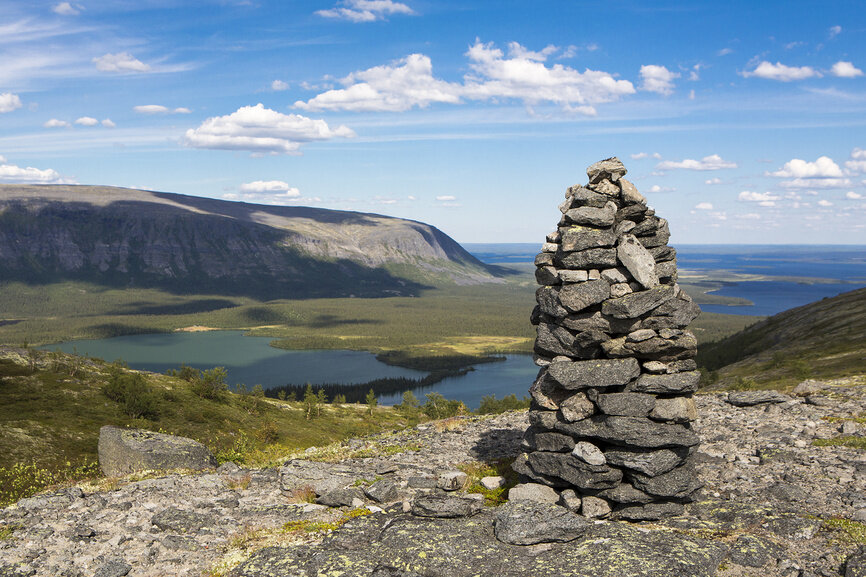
(610, 422)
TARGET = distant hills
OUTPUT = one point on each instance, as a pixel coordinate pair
(126, 237)
(824, 339)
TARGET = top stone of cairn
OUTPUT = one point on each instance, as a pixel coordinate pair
(611, 169)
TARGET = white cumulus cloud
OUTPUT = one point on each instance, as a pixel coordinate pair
(446, 198)
(261, 131)
(844, 69)
(108, 123)
(712, 181)
(779, 71)
(816, 183)
(399, 86)
(760, 197)
(857, 162)
(56, 123)
(9, 102)
(825, 203)
(269, 186)
(67, 9)
(658, 79)
(641, 155)
(16, 174)
(835, 31)
(704, 206)
(150, 109)
(278, 85)
(851, 195)
(521, 75)
(524, 76)
(711, 162)
(823, 167)
(86, 121)
(122, 62)
(159, 109)
(365, 10)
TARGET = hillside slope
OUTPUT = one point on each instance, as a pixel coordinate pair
(126, 237)
(826, 339)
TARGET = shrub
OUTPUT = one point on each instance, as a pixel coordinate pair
(371, 401)
(211, 384)
(438, 407)
(491, 406)
(132, 392)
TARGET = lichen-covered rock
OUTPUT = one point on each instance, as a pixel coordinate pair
(529, 523)
(124, 451)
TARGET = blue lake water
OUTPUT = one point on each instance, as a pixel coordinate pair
(514, 375)
(252, 361)
(844, 264)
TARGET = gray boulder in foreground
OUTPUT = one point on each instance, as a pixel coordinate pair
(125, 451)
(529, 523)
(749, 398)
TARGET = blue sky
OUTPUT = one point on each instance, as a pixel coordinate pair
(741, 122)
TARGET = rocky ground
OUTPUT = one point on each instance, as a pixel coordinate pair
(774, 504)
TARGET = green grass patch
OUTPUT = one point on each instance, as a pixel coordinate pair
(846, 531)
(480, 469)
(842, 441)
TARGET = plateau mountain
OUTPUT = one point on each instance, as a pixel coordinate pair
(127, 237)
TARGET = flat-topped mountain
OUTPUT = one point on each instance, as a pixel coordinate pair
(127, 237)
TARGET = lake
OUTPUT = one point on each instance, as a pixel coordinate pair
(252, 361)
(844, 265)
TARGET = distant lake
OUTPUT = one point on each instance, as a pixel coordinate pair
(844, 264)
(252, 361)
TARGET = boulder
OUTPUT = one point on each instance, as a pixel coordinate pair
(667, 384)
(631, 431)
(578, 473)
(528, 523)
(124, 451)
(626, 404)
(636, 304)
(577, 297)
(609, 168)
(594, 507)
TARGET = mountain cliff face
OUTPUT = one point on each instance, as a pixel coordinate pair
(124, 237)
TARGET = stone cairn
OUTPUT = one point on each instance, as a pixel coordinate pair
(612, 404)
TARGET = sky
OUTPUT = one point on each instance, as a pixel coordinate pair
(741, 122)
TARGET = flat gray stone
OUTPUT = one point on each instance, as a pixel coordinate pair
(679, 483)
(548, 302)
(676, 409)
(594, 373)
(749, 398)
(340, 497)
(577, 297)
(592, 216)
(855, 565)
(631, 431)
(576, 407)
(588, 453)
(124, 451)
(599, 258)
(527, 523)
(382, 491)
(639, 262)
(534, 492)
(445, 506)
(577, 238)
(636, 304)
(625, 493)
(630, 193)
(651, 463)
(667, 384)
(626, 404)
(578, 473)
(583, 196)
(594, 507)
